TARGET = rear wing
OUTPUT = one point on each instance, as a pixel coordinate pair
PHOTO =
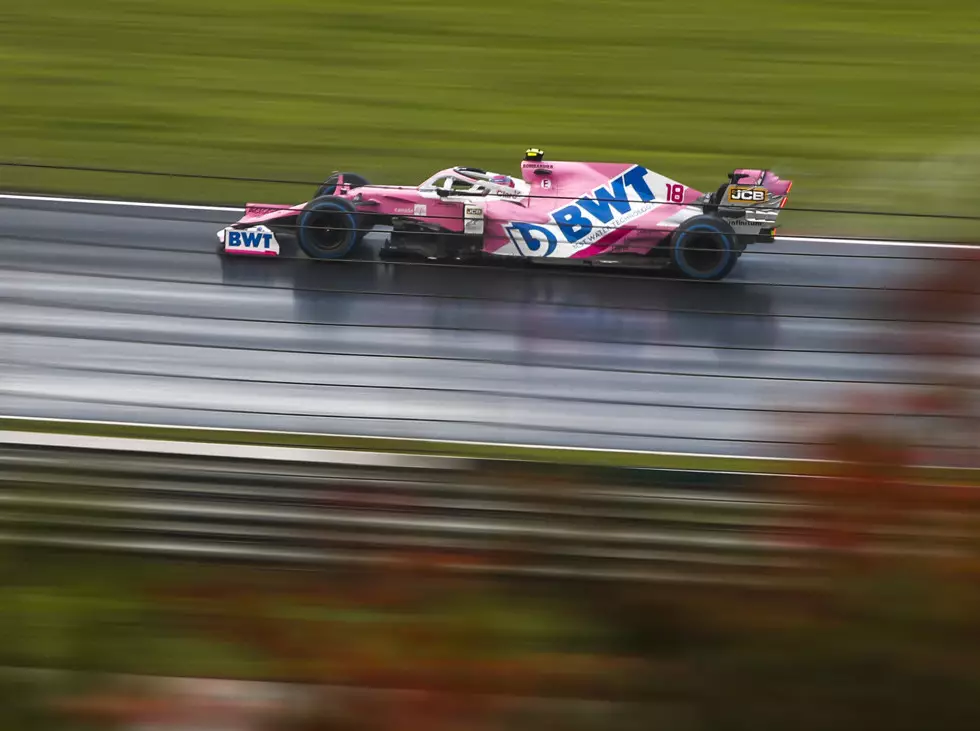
(751, 201)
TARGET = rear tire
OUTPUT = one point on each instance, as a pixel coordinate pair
(327, 228)
(704, 248)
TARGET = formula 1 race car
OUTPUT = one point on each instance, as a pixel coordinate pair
(589, 213)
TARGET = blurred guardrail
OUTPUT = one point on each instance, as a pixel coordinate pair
(315, 506)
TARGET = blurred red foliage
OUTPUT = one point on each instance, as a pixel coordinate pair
(873, 488)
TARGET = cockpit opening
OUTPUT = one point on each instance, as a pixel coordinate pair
(475, 182)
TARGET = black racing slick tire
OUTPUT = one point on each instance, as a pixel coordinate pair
(327, 228)
(329, 187)
(704, 248)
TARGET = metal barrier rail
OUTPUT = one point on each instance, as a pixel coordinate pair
(313, 507)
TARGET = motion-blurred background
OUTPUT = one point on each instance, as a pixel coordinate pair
(795, 546)
(867, 104)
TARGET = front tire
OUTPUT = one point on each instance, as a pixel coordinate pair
(704, 248)
(327, 228)
(329, 187)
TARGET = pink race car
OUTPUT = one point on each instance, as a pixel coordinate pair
(589, 213)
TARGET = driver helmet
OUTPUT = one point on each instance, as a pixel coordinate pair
(504, 180)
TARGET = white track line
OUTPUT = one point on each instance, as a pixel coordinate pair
(32, 420)
(127, 204)
(227, 450)
(229, 209)
(874, 242)
(203, 430)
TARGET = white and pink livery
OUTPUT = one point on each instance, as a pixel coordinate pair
(584, 212)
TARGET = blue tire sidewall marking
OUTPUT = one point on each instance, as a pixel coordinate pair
(682, 262)
(358, 234)
(330, 206)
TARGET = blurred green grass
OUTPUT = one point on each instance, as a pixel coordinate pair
(865, 104)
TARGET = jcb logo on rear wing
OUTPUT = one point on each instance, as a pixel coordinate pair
(747, 194)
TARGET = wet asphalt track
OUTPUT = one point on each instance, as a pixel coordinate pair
(129, 314)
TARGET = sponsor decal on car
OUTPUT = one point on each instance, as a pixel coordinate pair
(417, 209)
(747, 194)
(472, 219)
(254, 240)
(585, 221)
(258, 211)
(744, 223)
